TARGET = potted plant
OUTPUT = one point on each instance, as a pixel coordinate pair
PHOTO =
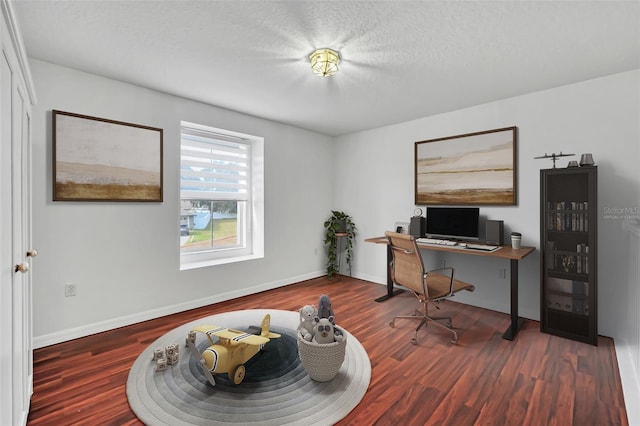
(339, 225)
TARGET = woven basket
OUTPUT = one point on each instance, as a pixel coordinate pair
(322, 361)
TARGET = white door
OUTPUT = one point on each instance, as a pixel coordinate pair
(21, 286)
(16, 376)
(6, 248)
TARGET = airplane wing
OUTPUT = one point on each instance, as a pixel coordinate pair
(241, 337)
(231, 334)
(209, 330)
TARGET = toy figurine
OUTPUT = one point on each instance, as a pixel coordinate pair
(233, 349)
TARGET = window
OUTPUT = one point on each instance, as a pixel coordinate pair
(221, 196)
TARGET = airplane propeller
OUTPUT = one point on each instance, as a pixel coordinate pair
(200, 362)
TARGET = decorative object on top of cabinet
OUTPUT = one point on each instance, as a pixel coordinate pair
(568, 240)
(554, 157)
(586, 160)
(339, 226)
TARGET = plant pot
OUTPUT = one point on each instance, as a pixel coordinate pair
(342, 226)
(322, 361)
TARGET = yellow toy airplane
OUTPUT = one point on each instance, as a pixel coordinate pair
(232, 350)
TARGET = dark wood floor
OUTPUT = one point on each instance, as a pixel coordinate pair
(537, 379)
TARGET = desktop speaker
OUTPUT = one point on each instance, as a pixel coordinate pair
(494, 232)
(417, 226)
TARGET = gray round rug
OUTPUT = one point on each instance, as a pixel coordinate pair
(276, 389)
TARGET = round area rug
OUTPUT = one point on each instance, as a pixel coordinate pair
(276, 389)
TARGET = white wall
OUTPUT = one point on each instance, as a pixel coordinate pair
(374, 183)
(124, 257)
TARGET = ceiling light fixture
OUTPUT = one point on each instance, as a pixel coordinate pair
(324, 62)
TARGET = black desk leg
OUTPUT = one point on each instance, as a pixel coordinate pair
(390, 290)
(516, 321)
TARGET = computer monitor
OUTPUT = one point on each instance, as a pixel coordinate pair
(453, 222)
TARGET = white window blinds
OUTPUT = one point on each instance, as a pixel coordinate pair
(214, 166)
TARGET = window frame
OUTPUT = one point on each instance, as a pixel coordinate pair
(253, 210)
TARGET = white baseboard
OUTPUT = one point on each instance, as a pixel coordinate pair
(370, 278)
(630, 378)
(99, 327)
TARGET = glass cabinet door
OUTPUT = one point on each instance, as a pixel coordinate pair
(568, 231)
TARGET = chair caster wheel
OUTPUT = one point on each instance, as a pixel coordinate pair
(414, 341)
(391, 324)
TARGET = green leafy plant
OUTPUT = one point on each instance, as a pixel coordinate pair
(339, 225)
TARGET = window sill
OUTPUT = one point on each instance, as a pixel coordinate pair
(214, 262)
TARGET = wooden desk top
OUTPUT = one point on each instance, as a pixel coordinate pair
(505, 252)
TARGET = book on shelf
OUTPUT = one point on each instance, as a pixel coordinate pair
(568, 216)
(585, 269)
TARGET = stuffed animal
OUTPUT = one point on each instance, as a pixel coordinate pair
(324, 307)
(325, 310)
(323, 330)
(307, 315)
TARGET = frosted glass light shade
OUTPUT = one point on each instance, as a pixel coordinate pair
(324, 62)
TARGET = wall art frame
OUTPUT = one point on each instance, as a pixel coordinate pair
(470, 169)
(97, 159)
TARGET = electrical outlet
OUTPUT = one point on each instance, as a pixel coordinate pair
(70, 289)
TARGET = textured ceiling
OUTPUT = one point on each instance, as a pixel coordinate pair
(401, 60)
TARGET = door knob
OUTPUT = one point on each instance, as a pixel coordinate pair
(23, 267)
(32, 253)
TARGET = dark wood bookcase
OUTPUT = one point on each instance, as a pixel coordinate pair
(569, 260)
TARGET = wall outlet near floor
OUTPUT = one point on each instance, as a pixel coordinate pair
(70, 289)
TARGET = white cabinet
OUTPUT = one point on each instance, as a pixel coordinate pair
(16, 253)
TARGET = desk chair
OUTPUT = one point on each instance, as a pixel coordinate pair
(407, 270)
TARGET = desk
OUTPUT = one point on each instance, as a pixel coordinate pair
(505, 252)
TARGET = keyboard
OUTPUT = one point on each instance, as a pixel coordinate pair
(482, 247)
(436, 242)
(456, 245)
